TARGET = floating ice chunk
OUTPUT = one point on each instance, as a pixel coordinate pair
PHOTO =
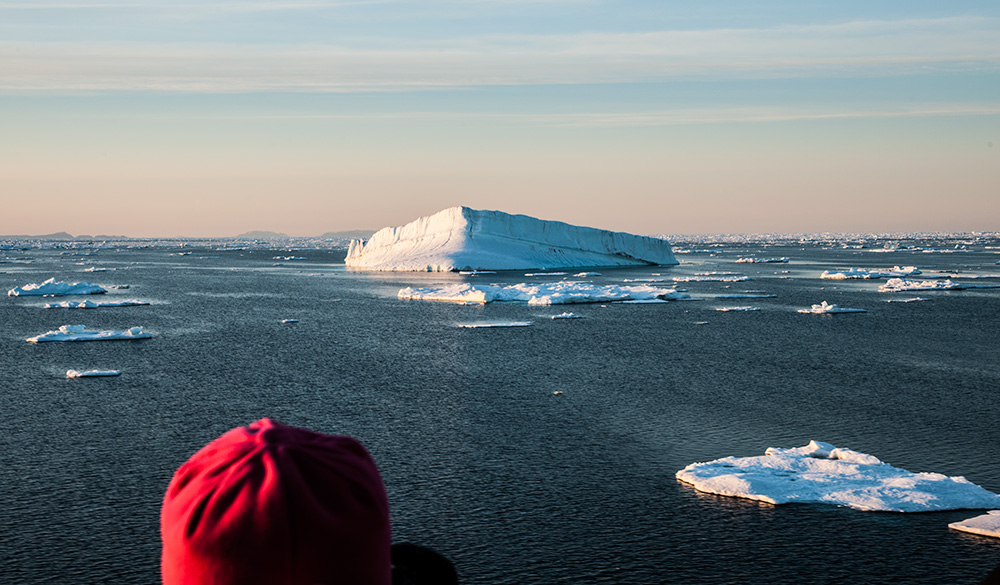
(89, 304)
(475, 272)
(867, 273)
(909, 300)
(284, 258)
(586, 274)
(825, 307)
(53, 288)
(532, 274)
(97, 269)
(80, 333)
(460, 238)
(91, 373)
(760, 260)
(748, 308)
(710, 278)
(986, 525)
(490, 325)
(289, 320)
(556, 293)
(822, 473)
(567, 316)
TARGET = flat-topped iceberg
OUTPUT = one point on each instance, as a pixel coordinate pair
(986, 525)
(868, 273)
(827, 308)
(89, 304)
(556, 293)
(80, 333)
(92, 373)
(52, 288)
(822, 473)
(460, 238)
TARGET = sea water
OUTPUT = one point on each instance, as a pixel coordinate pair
(528, 455)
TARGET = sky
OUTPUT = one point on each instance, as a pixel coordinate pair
(157, 118)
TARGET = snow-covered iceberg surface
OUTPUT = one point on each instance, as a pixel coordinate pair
(92, 373)
(460, 238)
(822, 473)
(986, 525)
(52, 288)
(556, 293)
(80, 333)
(825, 308)
(89, 304)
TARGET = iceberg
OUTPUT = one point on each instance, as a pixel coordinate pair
(824, 474)
(557, 293)
(826, 308)
(92, 373)
(464, 239)
(52, 288)
(80, 333)
(89, 304)
(986, 525)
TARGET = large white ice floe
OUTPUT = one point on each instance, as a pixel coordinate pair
(52, 288)
(555, 293)
(827, 308)
(901, 284)
(89, 304)
(868, 273)
(460, 238)
(822, 473)
(986, 525)
(80, 333)
(92, 373)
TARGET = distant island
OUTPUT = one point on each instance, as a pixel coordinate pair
(251, 235)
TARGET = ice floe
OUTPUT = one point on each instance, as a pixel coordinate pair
(825, 308)
(460, 238)
(557, 293)
(869, 273)
(909, 300)
(900, 285)
(289, 320)
(89, 304)
(747, 308)
(567, 316)
(724, 278)
(52, 288)
(986, 525)
(91, 373)
(80, 333)
(761, 260)
(822, 473)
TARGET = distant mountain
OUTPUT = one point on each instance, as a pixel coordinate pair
(353, 234)
(55, 236)
(262, 235)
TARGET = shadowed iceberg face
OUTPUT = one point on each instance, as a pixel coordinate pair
(460, 238)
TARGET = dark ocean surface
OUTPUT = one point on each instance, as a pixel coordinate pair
(481, 460)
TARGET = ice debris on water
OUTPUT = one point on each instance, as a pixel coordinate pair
(52, 288)
(986, 525)
(827, 308)
(869, 273)
(822, 473)
(89, 304)
(747, 308)
(80, 333)
(557, 293)
(92, 373)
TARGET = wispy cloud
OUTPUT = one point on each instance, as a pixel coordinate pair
(394, 64)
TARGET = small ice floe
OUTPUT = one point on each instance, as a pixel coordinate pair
(869, 273)
(476, 272)
(567, 316)
(586, 274)
(556, 293)
(52, 288)
(491, 325)
(747, 295)
(823, 474)
(986, 525)
(92, 373)
(80, 333)
(557, 393)
(97, 269)
(287, 258)
(710, 278)
(761, 260)
(289, 320)
(909, 300)
(545, 274)
(89, 304)
(900, 284)
(747, 308)
(825, 308)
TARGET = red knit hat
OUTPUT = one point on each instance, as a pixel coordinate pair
(276, 505)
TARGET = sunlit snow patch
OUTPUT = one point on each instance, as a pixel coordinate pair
(88, 304)
(53, 288)
(92, 373)
(822, 473)
(986, 525)
(825, 308)
(80, 333)
(557, 293)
